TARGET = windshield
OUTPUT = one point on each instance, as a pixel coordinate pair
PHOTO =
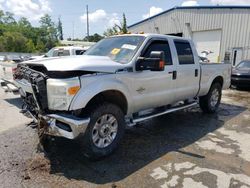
(244, 65)
(120, 49)
(55, 52)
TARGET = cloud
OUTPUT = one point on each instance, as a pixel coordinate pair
(113, 20)
(27, 8)
(231, 2)
(189, 3)
(102, 17)
(1, 6)
(98, 15)
(152, 11)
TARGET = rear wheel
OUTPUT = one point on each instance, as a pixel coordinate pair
(104, 132)
(211, 102)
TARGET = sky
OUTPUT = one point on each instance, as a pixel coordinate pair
(102, 13)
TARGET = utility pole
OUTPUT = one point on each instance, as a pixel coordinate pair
(87, 8)
(73, 33)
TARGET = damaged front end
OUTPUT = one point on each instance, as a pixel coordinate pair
(40, 96)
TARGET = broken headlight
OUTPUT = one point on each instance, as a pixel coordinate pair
(61, 92)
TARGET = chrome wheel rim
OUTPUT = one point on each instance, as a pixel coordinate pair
(215, 98)
(105, 131)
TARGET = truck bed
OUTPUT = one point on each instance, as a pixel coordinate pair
(212, 70)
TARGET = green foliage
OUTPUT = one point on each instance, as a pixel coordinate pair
(21, 36)
(60, 29)
(117, 29)
(14, 42)
(30, 47)
(93, 38)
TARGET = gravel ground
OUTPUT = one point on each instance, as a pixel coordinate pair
(183, 149)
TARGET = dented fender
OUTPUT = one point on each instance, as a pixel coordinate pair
(92, 87)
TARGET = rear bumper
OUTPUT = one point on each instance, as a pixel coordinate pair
(240, 81)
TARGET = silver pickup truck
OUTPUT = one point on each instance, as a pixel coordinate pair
(119, 82)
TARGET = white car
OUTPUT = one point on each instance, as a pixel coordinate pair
(121, 81)
(8, 68)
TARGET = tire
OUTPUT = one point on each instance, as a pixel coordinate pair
(210, 103)
(104, 132)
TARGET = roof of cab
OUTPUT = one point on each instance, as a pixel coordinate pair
(151, 35)
(68, 47)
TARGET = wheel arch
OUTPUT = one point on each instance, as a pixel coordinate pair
(113, 96)
(218, 79)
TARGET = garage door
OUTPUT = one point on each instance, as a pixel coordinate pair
(208, 41)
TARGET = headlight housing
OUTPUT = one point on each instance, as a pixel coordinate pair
(61, 92)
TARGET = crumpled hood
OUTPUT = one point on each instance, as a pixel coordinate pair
(79, 63)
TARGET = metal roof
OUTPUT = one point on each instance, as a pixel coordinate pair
(191, 7)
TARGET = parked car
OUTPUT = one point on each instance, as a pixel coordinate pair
(119, 82)
(241, 74)
(8, 67)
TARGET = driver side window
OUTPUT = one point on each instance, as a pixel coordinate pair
(159, 45)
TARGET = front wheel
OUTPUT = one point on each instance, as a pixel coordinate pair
(211, 102)
(104, 132)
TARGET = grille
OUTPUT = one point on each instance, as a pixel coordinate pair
(38, 83)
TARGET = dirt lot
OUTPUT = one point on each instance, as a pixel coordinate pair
(184, 149)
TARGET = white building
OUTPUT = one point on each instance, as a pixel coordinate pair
(223, 30)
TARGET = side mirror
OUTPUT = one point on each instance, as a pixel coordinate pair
(156, 62)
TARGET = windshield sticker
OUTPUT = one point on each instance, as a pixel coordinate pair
(115, 51)
(129, 46)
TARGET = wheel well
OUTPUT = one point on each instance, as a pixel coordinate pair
(219, 80)
(112, 96)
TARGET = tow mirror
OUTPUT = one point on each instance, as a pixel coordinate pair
(156, 62)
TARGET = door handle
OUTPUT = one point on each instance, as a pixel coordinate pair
(196, 72)
(174, 74)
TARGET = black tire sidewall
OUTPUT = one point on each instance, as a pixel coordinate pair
(90, 149)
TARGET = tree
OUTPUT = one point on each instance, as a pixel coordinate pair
(8, 18)
(93, 38)
(111, 31)
(48, 31)
(23, 22)
(1, 16)
(60, 29)
(21, 36)
(116, 29)
(30, 47)
(40, 47)
(14, 42)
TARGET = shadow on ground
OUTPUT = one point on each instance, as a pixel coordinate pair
(141, 145)
(15, 101)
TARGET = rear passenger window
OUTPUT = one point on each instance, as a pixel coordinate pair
(79, 52)
(184, 52)
(160, 46)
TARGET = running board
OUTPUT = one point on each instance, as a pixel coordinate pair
(174, 109)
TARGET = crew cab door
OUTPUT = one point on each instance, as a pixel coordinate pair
(153, 89)
(188, 70)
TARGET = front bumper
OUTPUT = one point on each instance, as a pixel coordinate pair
(238, 81)
(65, 126)
(33, 90)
